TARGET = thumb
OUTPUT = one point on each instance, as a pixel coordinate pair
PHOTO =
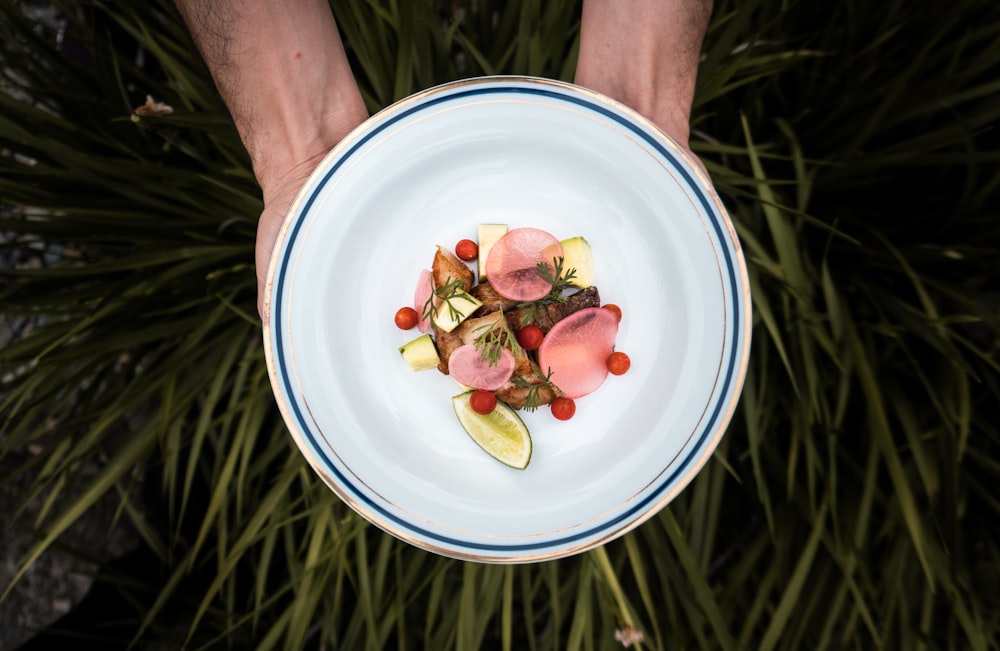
(268, 228)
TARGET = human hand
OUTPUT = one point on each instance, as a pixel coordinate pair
(278, 201)
(282, 172)
(282, 177)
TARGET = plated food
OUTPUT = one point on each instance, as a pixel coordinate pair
(526, 153)
(527, 331)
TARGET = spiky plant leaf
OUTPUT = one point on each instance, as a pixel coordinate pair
(852, 503)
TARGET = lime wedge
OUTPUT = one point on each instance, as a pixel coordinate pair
(501, 433)
(577, 255)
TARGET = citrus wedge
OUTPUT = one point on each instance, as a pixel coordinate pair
(501, 433)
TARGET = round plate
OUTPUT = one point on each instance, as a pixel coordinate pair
(521, 152)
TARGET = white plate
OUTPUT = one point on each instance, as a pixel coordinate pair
(523, 152)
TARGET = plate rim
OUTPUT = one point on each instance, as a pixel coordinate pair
(667, 487)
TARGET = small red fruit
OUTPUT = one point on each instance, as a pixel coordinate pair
(482, 401)
(530, 337)
(563, 408)
(614, 308)
(467, 250)
(618, 363)
(406, 318)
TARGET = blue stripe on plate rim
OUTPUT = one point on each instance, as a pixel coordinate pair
(737, 353)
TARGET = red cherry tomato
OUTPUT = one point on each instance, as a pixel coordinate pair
(467, 250)
(406, 318)
(482, 401)
(614, 308)
(618, 363)
(563, 408)
(530, 337)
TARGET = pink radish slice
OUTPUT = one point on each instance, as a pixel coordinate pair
(576, 350)
(512, 264)
(420, 298)
(467, 366)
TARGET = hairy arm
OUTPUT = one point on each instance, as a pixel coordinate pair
(283, 74)
(645, 54)
(285, 78)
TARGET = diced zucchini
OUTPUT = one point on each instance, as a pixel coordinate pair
(455, 310)
(420, 354)
(578, 257)
(488, 236)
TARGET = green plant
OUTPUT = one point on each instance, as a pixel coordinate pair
(852, 502)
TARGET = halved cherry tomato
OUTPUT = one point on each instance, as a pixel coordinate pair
(618, 363)
(482, 401)
(467, 250)
(563, 408)
(614, 308)
(530, 337)
(406, 318)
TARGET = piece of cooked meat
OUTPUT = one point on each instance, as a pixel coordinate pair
(547, 315)
(447, 268)
(516, 395)
(491, 300)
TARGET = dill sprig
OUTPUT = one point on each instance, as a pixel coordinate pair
(534, 397)
(450, 290)
(494, 338)
(558, 278)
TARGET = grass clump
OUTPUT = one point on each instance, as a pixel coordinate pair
(852, 502)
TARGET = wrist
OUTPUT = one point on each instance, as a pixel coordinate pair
(295, 142)
(645, 54)
(668, 107)
(305, 102)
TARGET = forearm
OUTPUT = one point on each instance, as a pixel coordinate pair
(645, 54)
(282, 72)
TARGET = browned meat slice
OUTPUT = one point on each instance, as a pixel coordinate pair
(447, 268)
(547, 315)
(446, 343)
(516, 395)
(491, 300)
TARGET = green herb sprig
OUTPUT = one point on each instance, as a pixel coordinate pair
(534, 398)
(558, 278)
(494, 338)
(446, 293)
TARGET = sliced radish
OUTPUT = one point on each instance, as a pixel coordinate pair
(512, 265)
(576, 350)
(420, 297)
(467, 366)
